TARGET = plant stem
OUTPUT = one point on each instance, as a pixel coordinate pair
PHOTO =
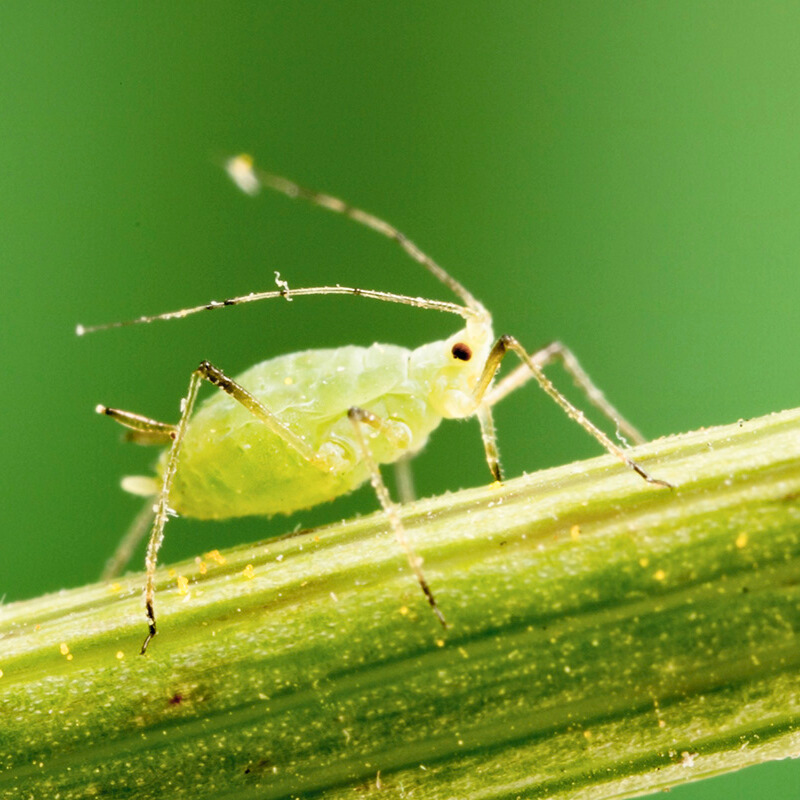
(608, 638)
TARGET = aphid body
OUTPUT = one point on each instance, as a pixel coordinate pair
(233, 465)
(301, 429)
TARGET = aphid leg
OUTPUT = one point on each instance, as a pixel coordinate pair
(141, 430)
(489, 437)
(506, 343)
(556, 351)
(359, 417)
(404, 478)
(205, 372)
(135, 533)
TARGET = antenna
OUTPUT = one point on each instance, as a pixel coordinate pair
(249, 179)
(241, 170)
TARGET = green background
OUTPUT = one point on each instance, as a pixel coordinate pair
(624, 177)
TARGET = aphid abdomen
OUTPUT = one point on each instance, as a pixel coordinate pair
(233, 465)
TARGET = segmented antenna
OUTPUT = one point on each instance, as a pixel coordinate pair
(288, 294)
(242, 172)
(250, 180)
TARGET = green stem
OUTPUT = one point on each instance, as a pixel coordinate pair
(608, 638)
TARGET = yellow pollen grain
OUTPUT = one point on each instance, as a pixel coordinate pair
(115, 587)
(120, 655)
(216, 556)
(64, 648)
(440, 642)
(288, 381)
(172, 573)
(741, 540)
(587, 735)
(183, 585)
(659, 574)
(248, 572)
(201, 565)
(403, 610)
(643, 562)
(575, 532)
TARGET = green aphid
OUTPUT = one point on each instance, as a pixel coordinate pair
(301, 429)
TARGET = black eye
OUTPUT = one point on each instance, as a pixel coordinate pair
(461, 351)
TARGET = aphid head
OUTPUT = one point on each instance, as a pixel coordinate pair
(452, 368)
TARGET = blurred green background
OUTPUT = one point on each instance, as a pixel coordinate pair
(624, 177)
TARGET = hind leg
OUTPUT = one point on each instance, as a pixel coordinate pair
(141, 430)
(136, 532)
(205, 372)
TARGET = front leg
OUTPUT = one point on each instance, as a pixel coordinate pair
(557, 351)
(508, 343)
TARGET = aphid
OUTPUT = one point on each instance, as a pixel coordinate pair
(302, 428)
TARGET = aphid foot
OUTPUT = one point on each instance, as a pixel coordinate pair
(433, 604)
(649, 478)
(151, 633)
(151, 628)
